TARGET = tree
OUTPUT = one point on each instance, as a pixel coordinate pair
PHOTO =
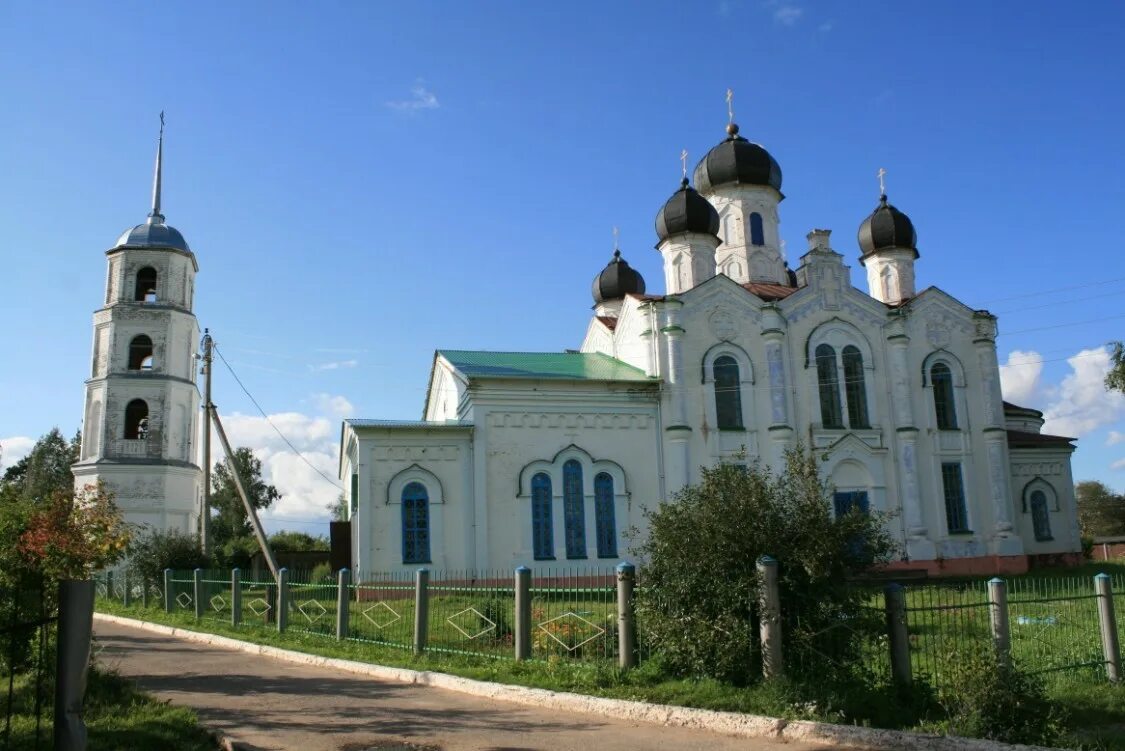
(231, 533)
(296, 542)
(1101, 512)
(151, 554)
(339, 509)
(699, 564)
(1115, 378)
(45, 471)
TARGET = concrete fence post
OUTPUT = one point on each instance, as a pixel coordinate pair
(168, 598)
(626, 616)
(1107, 618)
(894, 600)
(144, 591)
(282, 600)
(197, 592)
(72, 655)
(769, 616)
(523, 613)
(126, 598)
(998, 614)
(421, 609)
(343, 600)
(236, 597)
(109, 595)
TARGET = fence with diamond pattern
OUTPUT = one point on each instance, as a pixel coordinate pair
(1047, 625)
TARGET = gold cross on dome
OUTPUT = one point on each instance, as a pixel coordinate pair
(882, 187)
(615, 233)
(683, 161)
(730, 105)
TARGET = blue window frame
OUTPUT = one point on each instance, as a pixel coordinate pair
(953, 485)
(757, 235)
(604, 515)
(574, 512)
(415, 524)
(728, 396)
(542, 528)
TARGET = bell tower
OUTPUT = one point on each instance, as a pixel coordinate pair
(142, 403)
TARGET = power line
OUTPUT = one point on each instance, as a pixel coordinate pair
(275, 428)
(1053, 290)
(1061, 325)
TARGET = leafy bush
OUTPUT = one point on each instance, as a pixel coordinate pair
(322, 572)
(700, 579)
(151, 554)
(983, 697)
(290, 541)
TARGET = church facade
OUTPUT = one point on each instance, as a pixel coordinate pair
(142, 404)
(550, 458)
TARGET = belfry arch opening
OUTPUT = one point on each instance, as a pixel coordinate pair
(146, 285)
(136, 420)
(140, 353)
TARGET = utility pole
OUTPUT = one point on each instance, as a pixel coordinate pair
(205, 512)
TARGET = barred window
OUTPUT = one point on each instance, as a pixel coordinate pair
(953, 485)
(574, 512)
(942, 380)
(728, 396)
(604, 516)
(415, 524)
(542, 529)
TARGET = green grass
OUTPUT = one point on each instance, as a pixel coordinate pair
(118, 718)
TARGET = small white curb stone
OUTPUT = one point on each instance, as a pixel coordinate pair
(727, 723)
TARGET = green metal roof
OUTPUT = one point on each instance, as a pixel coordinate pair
(580, 366)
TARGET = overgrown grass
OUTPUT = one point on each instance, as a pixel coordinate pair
(118, 718)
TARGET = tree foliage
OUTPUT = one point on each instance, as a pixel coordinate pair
(72, 535)
(1115, 378)
(44, 472)
(289, 541)
(698, 598)
(1101, 512)
(157, 550)
(231, 534)
(339, 509)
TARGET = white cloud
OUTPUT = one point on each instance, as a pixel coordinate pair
(1114, 438)
(1119, 464)
(1082, 403)
(13, 449)
(1019, 377)
(305, 494)
(788, 15)
(421, 99)
(335, 365)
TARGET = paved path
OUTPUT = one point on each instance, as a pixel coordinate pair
(264, 703)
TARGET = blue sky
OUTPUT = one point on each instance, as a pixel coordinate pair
(363, 183)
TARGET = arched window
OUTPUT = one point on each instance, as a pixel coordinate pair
(415, 524)
(1040, 516)
(828, 383)
(604, 516)
(728, 399)
(885, 276)
(542, 531)
(757, 235)
(140, 353)
(942, 380)
(136, 420)
(146, 285)
(574, 512)
(854, 387)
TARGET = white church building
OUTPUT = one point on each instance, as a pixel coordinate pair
(141, 416)
(549, 458)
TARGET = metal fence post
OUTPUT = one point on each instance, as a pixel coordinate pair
(109, 585)
(998, 612)
(523, 613)
(769, 616)
(197, 592)
(235, 596)
(421, 609)
(626, 616)
(168, 599)
(76, 620)
(343, 600)
(1107, 618)
(126, 600)
(282, 600)
(894, 599)
(144, 592)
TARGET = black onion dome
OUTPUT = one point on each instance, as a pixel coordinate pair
(737, 161)
(686, 211)
(886, 228)
(617, 280)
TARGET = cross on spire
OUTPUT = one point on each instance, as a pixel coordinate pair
(683, 162)
(730, 106)
(882, 186)
(616, 249)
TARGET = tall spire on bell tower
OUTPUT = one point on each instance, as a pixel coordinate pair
(154, 216)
